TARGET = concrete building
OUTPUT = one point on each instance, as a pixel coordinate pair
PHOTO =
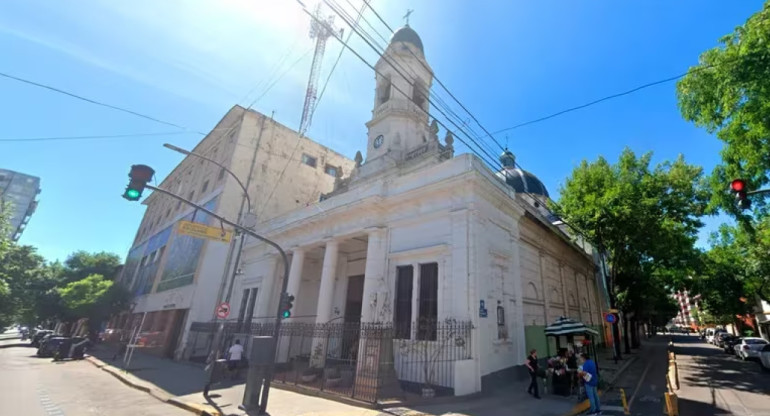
(177, 279)
(689, 309)
(20, 190)
(762, 314)
(457, 261)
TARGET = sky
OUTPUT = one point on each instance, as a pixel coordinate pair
(187, 62)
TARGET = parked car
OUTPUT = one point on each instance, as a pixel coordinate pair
(716, 336)
(50, 346)
(764, 357)
(39, 335)
(749, 347)
(709, 334)
(720, 337)
(729, 344)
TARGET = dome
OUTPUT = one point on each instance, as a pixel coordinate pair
(408, 35)
(522, 181)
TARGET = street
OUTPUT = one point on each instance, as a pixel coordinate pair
(715, 383)
(32, 386)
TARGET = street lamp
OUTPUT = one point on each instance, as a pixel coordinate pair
(221, 327)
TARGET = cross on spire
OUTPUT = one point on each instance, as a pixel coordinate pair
(406, 16)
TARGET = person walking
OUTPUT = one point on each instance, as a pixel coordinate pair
(531, 364)
(591, 377)
(234, 356)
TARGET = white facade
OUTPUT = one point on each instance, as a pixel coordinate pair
(420, 234)
(178, 279)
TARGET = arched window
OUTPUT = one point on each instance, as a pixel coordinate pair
(383, 90)
(420, 94)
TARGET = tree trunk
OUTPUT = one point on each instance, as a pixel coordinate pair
(626, 337)
(635, 333)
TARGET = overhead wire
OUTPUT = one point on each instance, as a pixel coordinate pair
(299, 136)
(395, 87)
(96, 102)
(100, 136)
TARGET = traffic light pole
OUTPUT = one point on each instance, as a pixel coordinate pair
(284, 284)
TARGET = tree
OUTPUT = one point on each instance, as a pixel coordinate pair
(24, 274)
(81, 264)
(643, 220)
(94, 298)
(728, 93)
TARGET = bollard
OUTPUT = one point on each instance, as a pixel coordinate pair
(672, 405)
(626, 410)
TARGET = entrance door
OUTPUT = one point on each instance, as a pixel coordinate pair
(353, 304)
(176, 329)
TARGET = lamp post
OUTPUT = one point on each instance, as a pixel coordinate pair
(242, 238)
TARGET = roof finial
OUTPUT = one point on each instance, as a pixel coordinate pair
(406, 16)
(506, 142)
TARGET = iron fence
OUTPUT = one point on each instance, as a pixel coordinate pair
(365, 361)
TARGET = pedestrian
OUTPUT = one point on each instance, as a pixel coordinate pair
(531, 364)
(591, 378)
(234, 356)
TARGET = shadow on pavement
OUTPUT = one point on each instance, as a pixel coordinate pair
(715, 369)
(690, 407)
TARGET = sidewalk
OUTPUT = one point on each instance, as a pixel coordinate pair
(181, 384)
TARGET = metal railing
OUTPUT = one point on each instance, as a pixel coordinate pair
(368, 362)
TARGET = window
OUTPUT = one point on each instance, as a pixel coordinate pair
(252, 303)
(403, 318)
(221, 174)
(159, 253)
(242, 309)
(419, 93)
(178, 205)
(204, 187)
(331, 171)
(308, 160)
(428, 301)
(190, 197)
(383, 90)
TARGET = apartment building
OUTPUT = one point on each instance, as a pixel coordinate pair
(177, 279)
(20, 191)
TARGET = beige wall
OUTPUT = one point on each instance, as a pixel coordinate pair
(557, 280)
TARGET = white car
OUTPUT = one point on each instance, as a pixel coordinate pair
(764, 357)
(749, 347)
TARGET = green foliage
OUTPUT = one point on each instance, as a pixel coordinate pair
(728, 93)
(81, 264)
(93, 297)
(645, 220)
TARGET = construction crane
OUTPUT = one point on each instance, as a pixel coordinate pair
(320, 29)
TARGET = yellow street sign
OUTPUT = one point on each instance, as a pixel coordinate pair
(204, 231)
(613, 311)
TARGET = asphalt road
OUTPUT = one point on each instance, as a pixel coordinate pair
(715, 383)
(32, 386)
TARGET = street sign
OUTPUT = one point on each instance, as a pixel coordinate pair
(204, 231)
(613, 311)
(611, 318)
(223, 310)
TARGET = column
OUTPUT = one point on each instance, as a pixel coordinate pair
(546, 292)
(579, 298)
(325, 297)
(328, 275)
(563, 289)
(374, 276)
(295, 272)
(265, 309)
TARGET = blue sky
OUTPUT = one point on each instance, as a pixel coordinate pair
(189, 61)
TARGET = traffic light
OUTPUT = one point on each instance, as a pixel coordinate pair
(140, 175)
(739, 187)
(287, 302)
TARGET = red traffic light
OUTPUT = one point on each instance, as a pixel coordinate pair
(142, 173)
(738, 185)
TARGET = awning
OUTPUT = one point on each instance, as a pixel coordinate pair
(567, 326)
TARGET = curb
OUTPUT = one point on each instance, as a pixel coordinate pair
(151, 389)
(584, 405)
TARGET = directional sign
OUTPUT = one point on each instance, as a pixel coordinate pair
(204, 231)
(223, 310)
(611, 318)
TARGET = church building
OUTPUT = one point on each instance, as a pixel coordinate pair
(462, 264)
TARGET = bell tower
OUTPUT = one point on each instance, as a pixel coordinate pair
(399, 121)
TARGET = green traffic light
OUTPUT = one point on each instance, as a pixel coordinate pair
(286, 314)
(132, 193)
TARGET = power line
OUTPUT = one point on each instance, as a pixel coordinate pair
(399, 89)
(101, 136)
(439, 81)
(99, 103)
(621, 94)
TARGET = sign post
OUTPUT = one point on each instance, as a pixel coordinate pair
(223, 310)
